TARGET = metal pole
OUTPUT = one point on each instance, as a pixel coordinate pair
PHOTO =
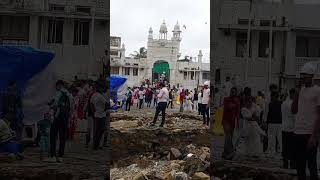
(270, 48)
(92, 41)
(248, 44)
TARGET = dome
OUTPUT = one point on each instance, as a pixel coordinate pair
(163, 28)
(176, 27)
(150, 30)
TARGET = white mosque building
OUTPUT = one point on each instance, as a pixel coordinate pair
(163, 58)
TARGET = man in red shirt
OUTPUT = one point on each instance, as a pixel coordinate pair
(182, 96)
(230, 120)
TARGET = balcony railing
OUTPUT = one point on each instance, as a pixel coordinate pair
(300, 61)
(100, 6)
(25, 5)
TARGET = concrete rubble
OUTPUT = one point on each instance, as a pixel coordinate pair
(141, 152)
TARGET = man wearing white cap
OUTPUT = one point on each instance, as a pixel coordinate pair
(206, 102)
(306, 106)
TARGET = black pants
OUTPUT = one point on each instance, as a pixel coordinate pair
(160, 108)
(128, 104)
(228, 144)
(140, 103)
(100, 124)
(200, 108)
(304, 155)
(155, 102)
(205, 114)
(59, 126)
(170, 103)
(287, 147)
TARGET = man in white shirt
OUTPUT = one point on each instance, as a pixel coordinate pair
(163, 97)
(287, 131)
(306, 106)
(141, 97)
(206, 103)
(99, 102)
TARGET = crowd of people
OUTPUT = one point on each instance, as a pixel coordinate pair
(161, 96)
(281, 124)
(81, 100)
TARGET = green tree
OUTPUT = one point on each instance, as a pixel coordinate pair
(141, 54)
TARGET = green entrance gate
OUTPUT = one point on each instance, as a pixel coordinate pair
(159, 68)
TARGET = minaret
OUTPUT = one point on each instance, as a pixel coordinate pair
(200, 56)
(123, 52)
(150, 36)
(163, 31)
(176, 32)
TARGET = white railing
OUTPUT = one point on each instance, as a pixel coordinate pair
(300, 61)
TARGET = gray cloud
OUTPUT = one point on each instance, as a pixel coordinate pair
(131, 20)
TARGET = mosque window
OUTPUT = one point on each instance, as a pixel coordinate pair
(55, 31)
(81, 32)
(264, 44)
(135, 71)
(241, 44)
(127, 71)
(185, 75)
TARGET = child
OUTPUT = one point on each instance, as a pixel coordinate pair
(44, 132)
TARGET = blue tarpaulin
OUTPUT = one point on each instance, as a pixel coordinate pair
(21, 64)
(116, 82)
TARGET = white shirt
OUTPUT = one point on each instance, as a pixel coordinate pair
(309, 99)
(200, 98)
(141, 93)
(287, 117)
(206, 96)
(163, 95)
(99, 103)
(248, 113)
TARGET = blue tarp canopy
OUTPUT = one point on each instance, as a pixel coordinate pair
(116, 82)
(21, 64)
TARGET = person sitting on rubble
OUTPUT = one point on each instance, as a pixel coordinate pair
(8, 145)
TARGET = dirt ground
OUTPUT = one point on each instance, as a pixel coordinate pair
(79, 163)
(143, 152)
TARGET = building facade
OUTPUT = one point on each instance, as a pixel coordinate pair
(162, 59)
(283, 36)
(76, 31)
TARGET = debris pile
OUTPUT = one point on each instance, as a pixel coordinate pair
(180, 150)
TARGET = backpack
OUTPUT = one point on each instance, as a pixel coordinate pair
(64, 104)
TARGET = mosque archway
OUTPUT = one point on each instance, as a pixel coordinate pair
(161, 69)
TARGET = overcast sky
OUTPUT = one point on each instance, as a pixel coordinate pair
(131, 20)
